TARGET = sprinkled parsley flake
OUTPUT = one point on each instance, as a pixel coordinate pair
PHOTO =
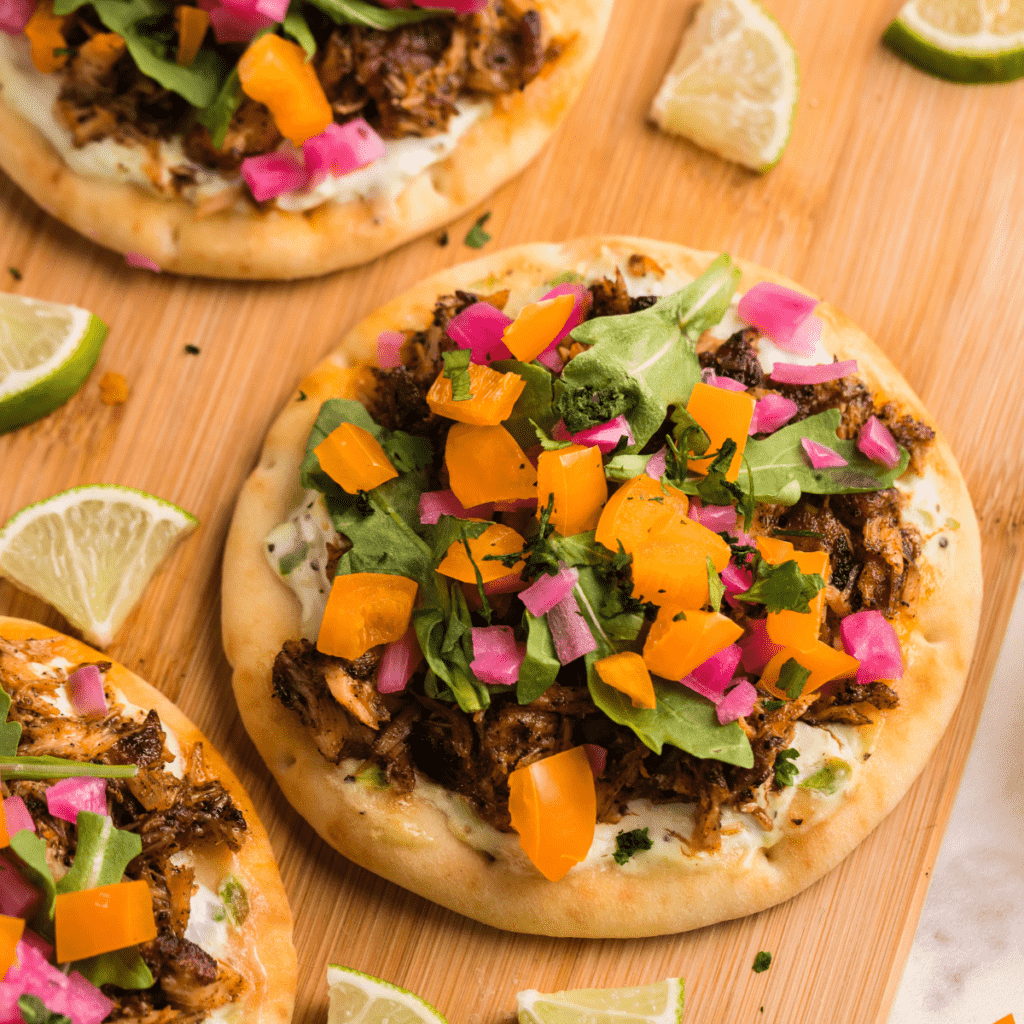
(762, 961)
(629, 843)
(477, 238)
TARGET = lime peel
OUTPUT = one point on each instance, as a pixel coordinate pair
(658, 1003)
(357, 998)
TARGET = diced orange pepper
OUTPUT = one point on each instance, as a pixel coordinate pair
(192, 23)
(5, 839)
(671, 567)
(553, 806)
(628, 673)
(824, 662)
(723, 414)
(45, 31)
(494, 396)
(275, 72)
(495, 540)
(674, 649)
(485, 464)
(801, 629)
(365, 609)
(634, 509)
(575, 476)
(537, 326)
(94, 921)
(353, 459)
(773, 550)
(11, 931)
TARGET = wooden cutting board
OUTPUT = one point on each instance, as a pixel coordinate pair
(898, 198)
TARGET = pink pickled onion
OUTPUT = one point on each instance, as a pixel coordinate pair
(796, 373)
(496, 655)
(480, 328)
(805, 338)
(15, 15)
(770, 413)
(711, 677)
(235, 22)
(656, 463)
(546, 591)
(737, 703)
(736, 580)
(709, 377)
(389, 349)
(560, 432)
(30, 938)
(85, 692)
(17, 897)
(597, 756)
(757, 647)
(878, 444)
(273, 9)
(458, 6)
(341, 148)
(66, 798)
(606, 435)
(869, 637)
(69, 995)
(821, 456)
(17, 816)
(776, 310)
(434, 504)
(398, 662)
(715, 517)
(272, 174)
(569, 630)
(140, 262)
(550, 356)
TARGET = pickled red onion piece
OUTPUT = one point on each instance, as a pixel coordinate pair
(273, 9)
(606, 435)
(805, 338)
(510, 584)
(711, 677)
(737, 703)
(776, 310)
(543, 594)
(17, 897)
(869, 637)
(66, 798)
(725, 383)
(272, 174)
(480, 328)
(434, 504)
(389, 349)
(137, 260)
(68, 995)
(37, 942)
(770, 413)
(715, 517)
(795, 373)
(550, 356)
(821, 456)
(569, 630)
(398, 662)
(757, 648)
(656, 463)
(85, 692)
(458, 6)
(736, 580)
(560, 432)
(497, 655)
(234, 22)
(17, 815)
(341, 148)
(15, 15)
(877, 443)
(597, 756)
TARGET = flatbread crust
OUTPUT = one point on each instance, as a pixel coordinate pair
(277, 245)
(409, 840)
(269, 965)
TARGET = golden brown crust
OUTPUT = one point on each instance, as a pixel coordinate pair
(410, 841)
(279, 245)
(268, 928)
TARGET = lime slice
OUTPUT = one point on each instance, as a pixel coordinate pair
(358, 998)
(734, 84)
(91, 551)
(46, 352)
(660, 1003)
(962, 40)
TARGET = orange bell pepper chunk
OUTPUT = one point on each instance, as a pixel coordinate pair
(11, 931)
(365, 609)
(722, 414)
(354, 459)
(628, 673)
(275, 72)
(773, 550)
(45, 31)
(674, 649)
(634, 509)
(537, 326)
(485, 464)
(575, 476)
(824, 662)
(801, 629)
(94, 921)
(494, 396)
(192, 23)
(553, 805)
(5, 839)
(671, 567)
(495, 540)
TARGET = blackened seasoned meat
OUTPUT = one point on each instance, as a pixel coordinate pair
(399, 400)
(252, 131)
(608, 297)
(505, 49)
(914, 435)
(357, 694)
(737, 358)
(142, 746)
(640, 266)
(840, 706)
(190, 978)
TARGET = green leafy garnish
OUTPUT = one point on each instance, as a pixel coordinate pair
(32, 851)
(785, 766)
(34, 1012)
(232, 894)
(47, 767)
(762, 961)
(626, 467)
(782, 587)
(456, 369)
(541, 666)
(293, 559)
(296, 26)
(477, 238)
(216, 116)
(548, 443)
(124, 968)
(10, 732)
(629, 843)
(361, 12)
(830, 778)
(773, 705)
(103, 854)
(792, 678)
(740, 552)
(535, 406)
(688, 434)
(406, 452)
(716, 588)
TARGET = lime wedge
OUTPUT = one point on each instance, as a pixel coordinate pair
(358, 998)
(734, 84)
(660, 1003)
(961, 40)
(91, 551)
(46, 352)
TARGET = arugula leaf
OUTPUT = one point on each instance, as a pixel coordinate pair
(626, 467)
(535, 406)
(296, 26)
(641, 363)
(629, 843)
(32, 850)
(216, 116)
(540, 667)
(785, 766)
(716, 588)
(477, 238)
(830, 778)
(47, 767)
(792, 678)
(407, 453)
(456, 369)
(740, 552)
(762, 961)
(103, 854)
(122, 967)
(579, 549)
(450, 529)
(782, 587)
(689, 435)
(361, 12)
(34, 1011)
(548, 443)
(10, 732)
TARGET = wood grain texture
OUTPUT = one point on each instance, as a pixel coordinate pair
(898, 199)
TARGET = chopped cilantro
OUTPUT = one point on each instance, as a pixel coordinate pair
(782, 587)
(407, 453)
(293, 559)
(762, 962)
(485, 606)
(792, 678)
(443, 240)
(302, 396)
(679, 617)
(456, 369)
(798, 533)
(34, 1011)
(363, 504)
(63, 51)
(785, 766)
(477, 238)
(716, 588)
(192, 350)
(740, 552)
(14, 272)
(830, 778)
(629, 843)
(773, 705)
(690, 436)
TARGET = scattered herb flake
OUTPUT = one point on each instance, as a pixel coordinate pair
(679, 617)
(443, 240)
(762, 962)
(785, 766)
(192, 350)
(629, 843)
(716, 588)
(792, 678)
(477, 238)
(830, 778)
(782, 587)
(456, 369)
(773, 705)
(302, 396)
(798, 533)
(15, 273)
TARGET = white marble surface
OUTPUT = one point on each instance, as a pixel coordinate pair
(967, 962)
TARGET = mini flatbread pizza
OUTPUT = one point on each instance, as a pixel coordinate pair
(258, 139)
(139, 884)
(632, 592)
